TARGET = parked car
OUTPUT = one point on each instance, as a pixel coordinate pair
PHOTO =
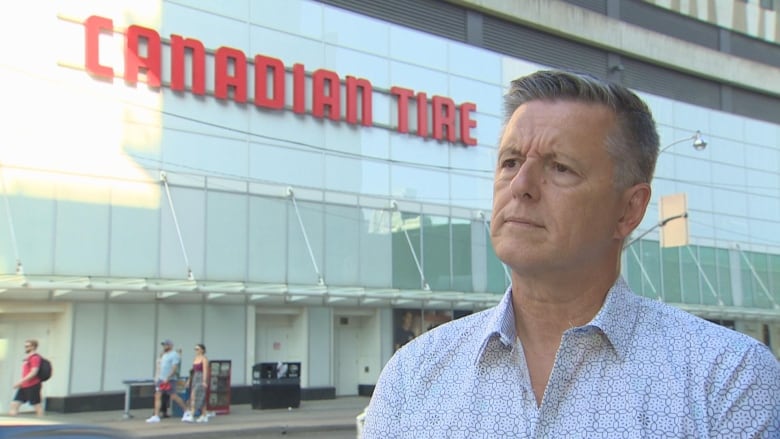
(24, 428)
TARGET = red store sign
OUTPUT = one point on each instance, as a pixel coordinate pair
(448, 121)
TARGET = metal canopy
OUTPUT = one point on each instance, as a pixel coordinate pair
(22, 287)
(115, 289)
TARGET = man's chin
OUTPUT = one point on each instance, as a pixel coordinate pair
(512, 255)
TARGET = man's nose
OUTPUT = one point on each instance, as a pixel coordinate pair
(525, 183)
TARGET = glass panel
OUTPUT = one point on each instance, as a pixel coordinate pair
(670, 263)
(691, 277)
(134, 241)
(226, 229)
(436, 252)
(300, 268)
(376, 248)
(81, 245)
(723, 261)
(462, 279)
(756, 281)
(651, 261)
(497, 281)
(707, 258)
(632, 271)
(342, 246)
(774, 276)
(190, 207)
(405, 273)
(268, 239)
(747, 281)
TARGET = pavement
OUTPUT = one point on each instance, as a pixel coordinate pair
(242, 421)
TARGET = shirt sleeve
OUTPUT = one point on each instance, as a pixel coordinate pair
(747, 402)
(35, 361)
(384, 412)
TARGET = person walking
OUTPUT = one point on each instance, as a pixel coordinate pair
(29, 387)
(198, 382)
(165, 382)
(165, 400)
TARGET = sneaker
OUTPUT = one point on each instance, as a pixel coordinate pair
(202, 419)
(152, 420)
(187, 417)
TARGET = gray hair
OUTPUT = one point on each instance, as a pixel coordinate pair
(633, 145)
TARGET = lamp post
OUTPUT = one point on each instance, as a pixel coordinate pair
(698, 142)
(655, 226)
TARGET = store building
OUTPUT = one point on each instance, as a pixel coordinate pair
(311, 181)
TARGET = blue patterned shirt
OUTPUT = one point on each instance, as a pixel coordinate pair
(640, 368)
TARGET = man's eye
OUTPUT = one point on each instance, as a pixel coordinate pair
(509, 163)
(558, 167)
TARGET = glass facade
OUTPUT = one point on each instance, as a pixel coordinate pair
(701, 275)
(232, 235)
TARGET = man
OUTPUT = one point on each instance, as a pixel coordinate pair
(403, 332)
(165, 399)
(570, 351)
(29, 387)
(165, 382)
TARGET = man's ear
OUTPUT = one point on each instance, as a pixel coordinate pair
(635, 200)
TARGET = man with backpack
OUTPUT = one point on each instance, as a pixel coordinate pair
(29, 387)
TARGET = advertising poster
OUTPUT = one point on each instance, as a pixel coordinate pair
(409, 323)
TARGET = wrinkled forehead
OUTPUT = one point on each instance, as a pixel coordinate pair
(547, 120)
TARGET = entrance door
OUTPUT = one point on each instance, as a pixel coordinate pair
(13, 332)
(8, 371)
(272, 338)
(347, 344)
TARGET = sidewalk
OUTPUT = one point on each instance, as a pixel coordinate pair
(323, 415)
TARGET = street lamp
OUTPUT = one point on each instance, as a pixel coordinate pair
(655, 226)
(698, 142)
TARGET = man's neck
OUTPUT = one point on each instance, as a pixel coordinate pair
(545, 310)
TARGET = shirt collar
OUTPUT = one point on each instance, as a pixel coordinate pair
(500, 323)
(616, 319)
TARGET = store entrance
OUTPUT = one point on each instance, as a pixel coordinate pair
(14, 330)
(347, 343)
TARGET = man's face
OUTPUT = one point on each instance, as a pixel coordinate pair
(28, 347)
(406, 322)
(167, 347)
(555, 208)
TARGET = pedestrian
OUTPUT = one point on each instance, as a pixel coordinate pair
(165, 381)
(198, 383)
(570, 350)
(165, 399)
(28, 389)
(403, 331)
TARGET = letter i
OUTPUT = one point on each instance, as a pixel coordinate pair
(299, 89)
(422, 114)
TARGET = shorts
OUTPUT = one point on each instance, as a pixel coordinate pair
(30, 394)
(169, 388)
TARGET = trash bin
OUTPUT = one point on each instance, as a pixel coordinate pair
(276, 385)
